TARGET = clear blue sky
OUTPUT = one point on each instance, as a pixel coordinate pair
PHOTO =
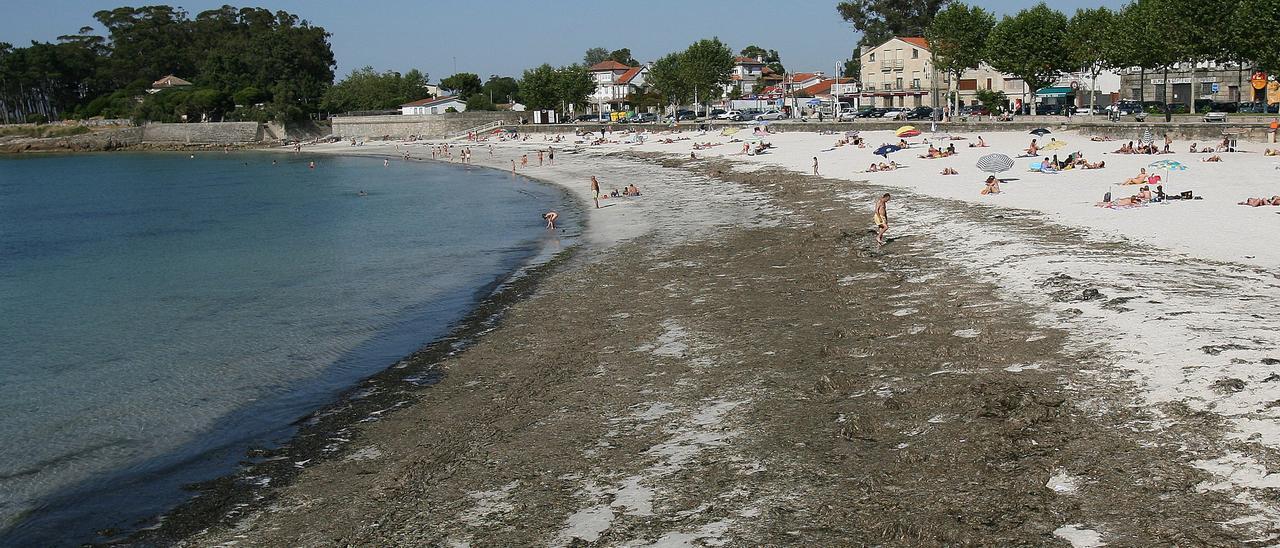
(507, 36)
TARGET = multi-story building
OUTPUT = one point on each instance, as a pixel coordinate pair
(900, 73)
(614, 83)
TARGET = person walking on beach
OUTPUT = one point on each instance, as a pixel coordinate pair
(539, 158)
(551, 155)
(815, 165)
(524, 161)
(882, 218)
(595, 189)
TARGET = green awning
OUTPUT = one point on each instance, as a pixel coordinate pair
(1055, 92)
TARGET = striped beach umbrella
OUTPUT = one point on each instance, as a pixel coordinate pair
(1147, 137)
(995, 163)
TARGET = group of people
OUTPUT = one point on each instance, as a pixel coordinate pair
(883, 167)
(935, 153)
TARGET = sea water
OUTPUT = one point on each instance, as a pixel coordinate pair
(161, 313)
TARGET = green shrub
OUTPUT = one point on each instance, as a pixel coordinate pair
(37, 118)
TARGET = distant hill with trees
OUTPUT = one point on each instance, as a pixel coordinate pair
(244, 64)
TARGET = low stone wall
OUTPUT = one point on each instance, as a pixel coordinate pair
(1250, 129)
(204, 133)
(429, 126)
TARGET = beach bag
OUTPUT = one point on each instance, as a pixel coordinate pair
(1107, 197)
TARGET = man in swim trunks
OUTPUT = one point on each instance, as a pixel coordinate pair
(595, 188)
(882, 218)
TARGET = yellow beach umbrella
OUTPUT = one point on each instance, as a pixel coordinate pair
(904, 129)
(1054, 145)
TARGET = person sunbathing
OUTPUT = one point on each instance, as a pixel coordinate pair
(992, 186)
(1095, 165)
(932, 153)
(1269, 152)
(873, 167)
(1033, 149)
(950, 171)
(902, 143)
(1047, 166)
(1138, 179)
(1214, 158)
(1259, 202)
(951, 149)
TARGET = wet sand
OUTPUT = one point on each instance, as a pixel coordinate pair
(775, 380)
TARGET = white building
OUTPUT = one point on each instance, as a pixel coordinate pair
(433, 106)
(614, 82)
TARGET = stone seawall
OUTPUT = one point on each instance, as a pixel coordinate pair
(205, 133)
(430, 126)
(1180, 131)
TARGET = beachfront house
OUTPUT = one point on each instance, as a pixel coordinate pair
(433, 106)
(168, 82)
(614, 83)
(900, 73)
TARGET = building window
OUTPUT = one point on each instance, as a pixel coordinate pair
(988, 83)
(433, 110)
(1206, 88)
(915, 54)
(915, 83)
(887, 86)
(873, 57)
(899, 82)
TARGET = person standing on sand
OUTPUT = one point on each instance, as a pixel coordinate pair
(815, 165)
(1275, 127)
(539, 158)
(882, 218)
(595, 188)
(524, 161)
(513, 166)
(551, 155)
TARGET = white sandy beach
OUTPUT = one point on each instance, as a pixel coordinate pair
(1187, 307)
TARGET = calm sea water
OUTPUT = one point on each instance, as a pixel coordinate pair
(160, 314)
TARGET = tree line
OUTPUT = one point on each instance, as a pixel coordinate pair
(1039, 44)
(245, 63)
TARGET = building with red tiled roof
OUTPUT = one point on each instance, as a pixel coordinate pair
(614, 83)
(607, 65)
(900, 73)
(433, 105)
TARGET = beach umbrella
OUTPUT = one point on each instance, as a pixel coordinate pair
(905, 129)
(1040, 131)
(884, 150)
(851, 133)
(729, 131)
(995, 163)
(1147, 137)
(1168, 166)
(1054, 145)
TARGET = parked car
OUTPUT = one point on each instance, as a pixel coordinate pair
(682, 115)
(849, 115)
(1126, 108)
(771, 114)
(1258, 108)
(744, 115)
(644, 117)
(588, 118)
(1047, 109)
(894, 114)
(920, 113)
(1224, 106)
(716, 112)
(729, 115)
(1089, 111)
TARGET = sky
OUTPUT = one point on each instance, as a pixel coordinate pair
(504, 37)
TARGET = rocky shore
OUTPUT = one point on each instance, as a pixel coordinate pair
(730, 360)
